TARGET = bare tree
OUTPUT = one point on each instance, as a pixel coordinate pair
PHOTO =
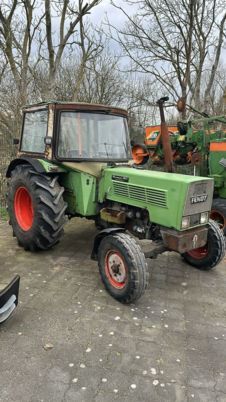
(34, 38)
(91, 46)
(215, 96)
(175, 41)
(71, 17)
(103, 82)
(19, 24)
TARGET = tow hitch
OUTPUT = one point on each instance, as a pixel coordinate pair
(9, 299)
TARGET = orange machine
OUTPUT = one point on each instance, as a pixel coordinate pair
(152, 134)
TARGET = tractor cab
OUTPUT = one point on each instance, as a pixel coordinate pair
(75, 132)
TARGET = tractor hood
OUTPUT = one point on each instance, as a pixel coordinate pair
(167, 196)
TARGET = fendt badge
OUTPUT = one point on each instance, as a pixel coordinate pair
(195, 199)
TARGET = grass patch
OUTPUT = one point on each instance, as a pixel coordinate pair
(3, 214)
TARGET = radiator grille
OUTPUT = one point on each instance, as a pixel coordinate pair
(147, 195)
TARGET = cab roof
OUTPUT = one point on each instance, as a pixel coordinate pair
(80, 106)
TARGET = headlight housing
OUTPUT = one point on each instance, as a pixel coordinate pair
(204, 218)
(185, 222)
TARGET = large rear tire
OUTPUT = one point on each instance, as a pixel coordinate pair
(218, 213)
(36, 208)
(210, 255)
(123, 267)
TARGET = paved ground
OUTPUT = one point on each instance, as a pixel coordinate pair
(170, 346)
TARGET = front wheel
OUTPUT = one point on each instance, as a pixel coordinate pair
(210, 255)
(122, 267)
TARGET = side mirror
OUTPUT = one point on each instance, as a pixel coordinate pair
(48, 141)
(16, 141)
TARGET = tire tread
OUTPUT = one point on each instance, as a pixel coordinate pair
(49, 205)
(217, 246)
(138, 267)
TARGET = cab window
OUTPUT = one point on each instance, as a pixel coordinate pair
(34, 131)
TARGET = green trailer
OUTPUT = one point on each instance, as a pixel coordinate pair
(74, 160)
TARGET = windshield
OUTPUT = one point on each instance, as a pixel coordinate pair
(93, 136)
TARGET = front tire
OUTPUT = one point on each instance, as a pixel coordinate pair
(36, 208)
(122, 267)
(210, 255)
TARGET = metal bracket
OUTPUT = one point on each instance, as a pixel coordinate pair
(156, 249)
(222, 162)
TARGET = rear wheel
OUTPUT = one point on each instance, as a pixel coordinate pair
(218, 213)
(210, 255)
(122, 267)
(36, 208)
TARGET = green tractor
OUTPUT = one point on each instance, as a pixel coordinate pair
(74, 161)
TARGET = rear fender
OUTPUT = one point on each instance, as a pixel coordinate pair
(39, 165)
(99, 237)
(25, 160)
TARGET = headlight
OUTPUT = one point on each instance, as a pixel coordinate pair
(185, 222)
(204, 217)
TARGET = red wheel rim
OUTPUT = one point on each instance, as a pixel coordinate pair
(23, 208)
(116, 269)
(219, 218)
(199, 253)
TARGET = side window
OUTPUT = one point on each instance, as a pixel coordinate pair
(34, 131)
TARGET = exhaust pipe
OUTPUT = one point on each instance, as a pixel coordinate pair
(165, 136)
(9, 299)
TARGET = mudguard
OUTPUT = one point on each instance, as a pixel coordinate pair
(9, 299)
(39, 165)
(100, 236)
(28, 160)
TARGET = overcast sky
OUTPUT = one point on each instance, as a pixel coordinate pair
(115, 16)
